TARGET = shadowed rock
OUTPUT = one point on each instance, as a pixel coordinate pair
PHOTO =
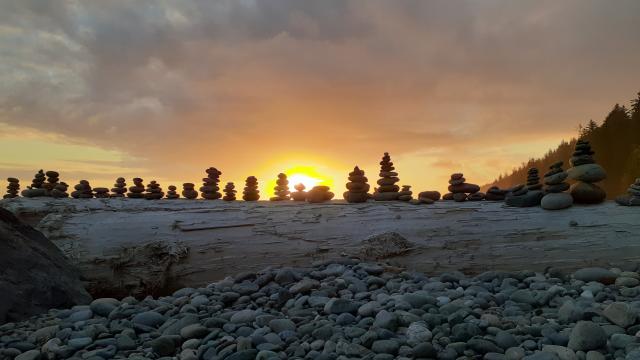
(281, 190)
(357, 187)
(251, 192)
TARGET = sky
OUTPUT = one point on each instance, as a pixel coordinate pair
(165, 89)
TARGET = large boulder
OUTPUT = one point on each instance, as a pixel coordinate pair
(34, 274)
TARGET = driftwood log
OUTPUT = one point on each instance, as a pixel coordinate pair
(130, 246)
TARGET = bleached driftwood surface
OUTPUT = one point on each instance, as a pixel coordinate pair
(137, 246)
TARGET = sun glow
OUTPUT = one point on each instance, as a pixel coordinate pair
(306, 180)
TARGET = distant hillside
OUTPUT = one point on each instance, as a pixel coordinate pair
(616, 142)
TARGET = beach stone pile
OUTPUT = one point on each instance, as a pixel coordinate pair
(101, 192)
(229, 192)
(251, 192)
(53, 178)
(632, 197)
(299, 194)
(13, 188)
(83, 190)
(586, 172)
(137, 190)
(172, 194)
(357, 187)
(345, 309)
(60, 190)
(387, 189)
(460, 190)
(153, 191)
(281, 190)
(556, 197)
(319, 194)
(405, 194)
(119, 189)
(494, 193)
(528, 195)
(188, 191)
(36, 189)
(427, 197)
(210, 189)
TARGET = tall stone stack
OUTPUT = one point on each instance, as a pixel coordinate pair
(299, 194)
(36, 189)
(319, 194)
(137, 190)
(556, 197)
(526, 195)
(172, 194)
(13, 189)
(281, 190)
(632, 197)
(188, 191)
(586, 172)
(229, 192)
(83, 190)
(119, 189)
(101, 192)
(405, 193)
(60, 190)
(210, 189)
(153, 191)
(251, 192)
(459, 189)
(357, 187)
(387, 189)
(53, 177)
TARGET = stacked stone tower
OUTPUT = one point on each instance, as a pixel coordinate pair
(357, 187)
(586, 172)
(209, 189)
(119, 188)
(13, 189)
(137, 190)
(281, 190)
(299, 194)
(188, 191)
(251, 192)
(229, 192)
(387, 189)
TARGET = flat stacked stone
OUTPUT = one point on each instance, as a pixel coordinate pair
(119, 188)
(299, 194)
(251, 192)
(387, 189)
(172, 194)
(427, 197)
(137, 190)
(36, 189)
(281, 190)
(319, 194)
(188, 191)
(556, 197)
(526, 195)
(494, 193)
(229, 192)
(83, 190)
(101, 192)
(586, 172)
(210, 189)
(153, 191)
(13, 189)
(405, 194)
(459, 189)
(357, 187)
(632, 198)
(53, 177)
(60, 190)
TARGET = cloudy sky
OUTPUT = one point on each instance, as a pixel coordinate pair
(163, 89)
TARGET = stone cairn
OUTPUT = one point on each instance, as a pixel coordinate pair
(13, 189)
(209, 189)
(526, 195)
(153, 191)
(82, 190)
(460, 190)
(53, 177)
(188, 191)
(427, 197)
(101, 192)
(119, 188)
(299, 194)
(357, 187)
(281, 190)
(172, 194)
(251, 192)
(137, 190)
(60, 190)
(405, 194)
(319, 194)
(586, 172)
(387, 189)
(36, 188)
(229, 192)
(494, 193)
(556, 197)
(632, 197)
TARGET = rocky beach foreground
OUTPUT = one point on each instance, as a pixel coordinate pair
(345, 309)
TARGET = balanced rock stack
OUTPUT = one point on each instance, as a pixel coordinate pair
(494, 193)
(209, 189)
(556, 197)
(585, 171)
(52, 180)
(229, 192)
(459, 189)
(82, 190)
(427, 197)
(101, 192)
(632, 198)
(36, 188)
(357, 187)
(405, 194)
(251, 192)
(172, 193)
(281, 190)
(189, 191)
(299, 194)
(319, 194)
(137, 190)
(119, 188)
(526, 195)
(13, 189)
(387, 189)
(60, 190)
(154, 191)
